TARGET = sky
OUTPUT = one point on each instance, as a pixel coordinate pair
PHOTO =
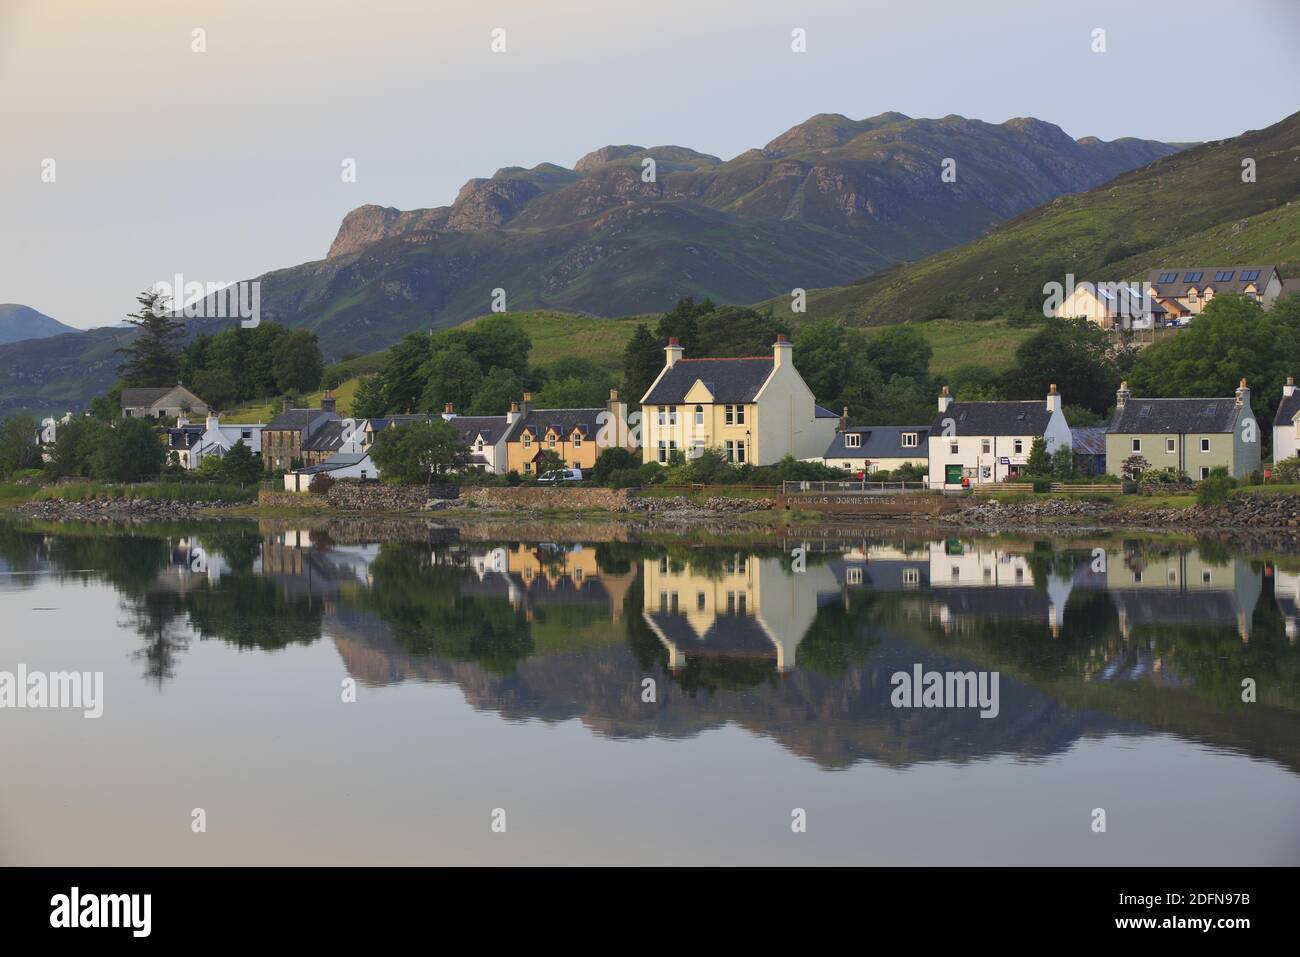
(223, 164)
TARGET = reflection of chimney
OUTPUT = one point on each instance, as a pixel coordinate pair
(781, 351)
(673, 351)
(945, 399)
(1122, 395)
(1053, 399)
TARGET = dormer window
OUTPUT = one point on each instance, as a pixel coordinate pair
(908, 440)
(527, 441)
(577, 440)
(853, 440)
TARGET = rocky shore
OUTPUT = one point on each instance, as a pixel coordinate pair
(59, 510)
(1242, 511)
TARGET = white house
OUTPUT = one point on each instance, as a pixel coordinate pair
(340, 465)
(218, 439)
(986, 442)
(1286, 433)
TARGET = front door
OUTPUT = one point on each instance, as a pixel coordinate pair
(952, 474)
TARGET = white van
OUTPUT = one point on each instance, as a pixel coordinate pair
(560, 475)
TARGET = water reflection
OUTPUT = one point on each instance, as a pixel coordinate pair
(795, 643)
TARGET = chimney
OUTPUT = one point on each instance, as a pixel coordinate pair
(1288, 390)
(527, 405)
(945, 399)
(285, 404)
(181, 421)
(1053, 399)
(617, 409)
(844, 419)
(213, 423)
(513, 414)
(674, 351)
(781, 351)
(448, 412)
(1243, 395)
(1122, 395)
(327, 402)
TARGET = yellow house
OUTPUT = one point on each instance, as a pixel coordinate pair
(1194, 287)
(575, 436)
(757, 409)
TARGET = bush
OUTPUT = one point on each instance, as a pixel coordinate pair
(624, 478)
(1215, 489)
(1287, 471)
(321, 483)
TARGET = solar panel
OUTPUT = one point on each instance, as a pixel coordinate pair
(1249, 275)
(1223, 275)
(1167, 277)
(1193, 277)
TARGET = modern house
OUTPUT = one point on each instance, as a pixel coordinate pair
(877, 448)
(978, 443)
(164, 402)
(191, 444)
(290, 434)
(1187, 436)
(1195, 286)
(575, 436)
(1112, 305)
(1286, 430)
(757, 409)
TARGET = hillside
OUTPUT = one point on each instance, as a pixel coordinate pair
(1191, 208)
(829, 200)
(19, 323)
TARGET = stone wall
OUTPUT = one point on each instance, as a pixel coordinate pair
(538, 499)
(376, 497)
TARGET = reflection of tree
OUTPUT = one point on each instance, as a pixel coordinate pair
(252, 612)
(423, 605)
(157, 616)
(840, 637)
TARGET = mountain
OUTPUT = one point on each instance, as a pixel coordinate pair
(18, 323)
(827, 201)
(1190, 208)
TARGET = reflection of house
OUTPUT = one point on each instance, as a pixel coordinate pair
(969, 581)
(750, 607)
(1286, 592)
(1180, 588)
(533, 576)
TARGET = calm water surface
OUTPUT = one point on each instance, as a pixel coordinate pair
(513, 676)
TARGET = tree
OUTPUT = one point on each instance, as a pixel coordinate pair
(497, 342)
(494, 394)
(415, 453)
(643, 358)
(297, 362)
(1063, 463)
(1039, 462)
(130, 451)
(1073, 355)
(217, 386)
(1133, 467)
(901, 351)
(72, 448)
(451, 375)
(824, 361)
(18, 448)
(240, 466)
(613, 460)
(153, 356)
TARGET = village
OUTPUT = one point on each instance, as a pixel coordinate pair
(759, 412)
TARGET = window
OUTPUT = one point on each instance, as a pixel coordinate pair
(1205, 576)
(909, 440)
(672, 415)
(911, 576)
(527, 441)
(1193, 276)
(956, 573)
(663, 416)
(1223, 275)
(952, 448)
(731, 450)
(699, 415)
(577, 441)
(1137, 445)
(1167, 277)
(853, 576)
(528, 466)
(1205, 472)
(663, 451)
(550, 441)
(1249, 275)
(1173, 577)
(740, 415)
(740, 452)
(1169, 445)
(731, 603)
(853, 440)
(729, 415)
(986, 446)
(1205, 445)
(1137, 578)
(1020, 446)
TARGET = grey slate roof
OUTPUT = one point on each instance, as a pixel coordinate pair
(336, 461)
(1287, 409)
(139, 398)
(1181, 284)
(328, 437)
(1176, 416)
(821, 413)
(730, 380)
(537, 421)
(880, 442)
(1088, 439)
(995, 418)
(491, 427)
(300, 420)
